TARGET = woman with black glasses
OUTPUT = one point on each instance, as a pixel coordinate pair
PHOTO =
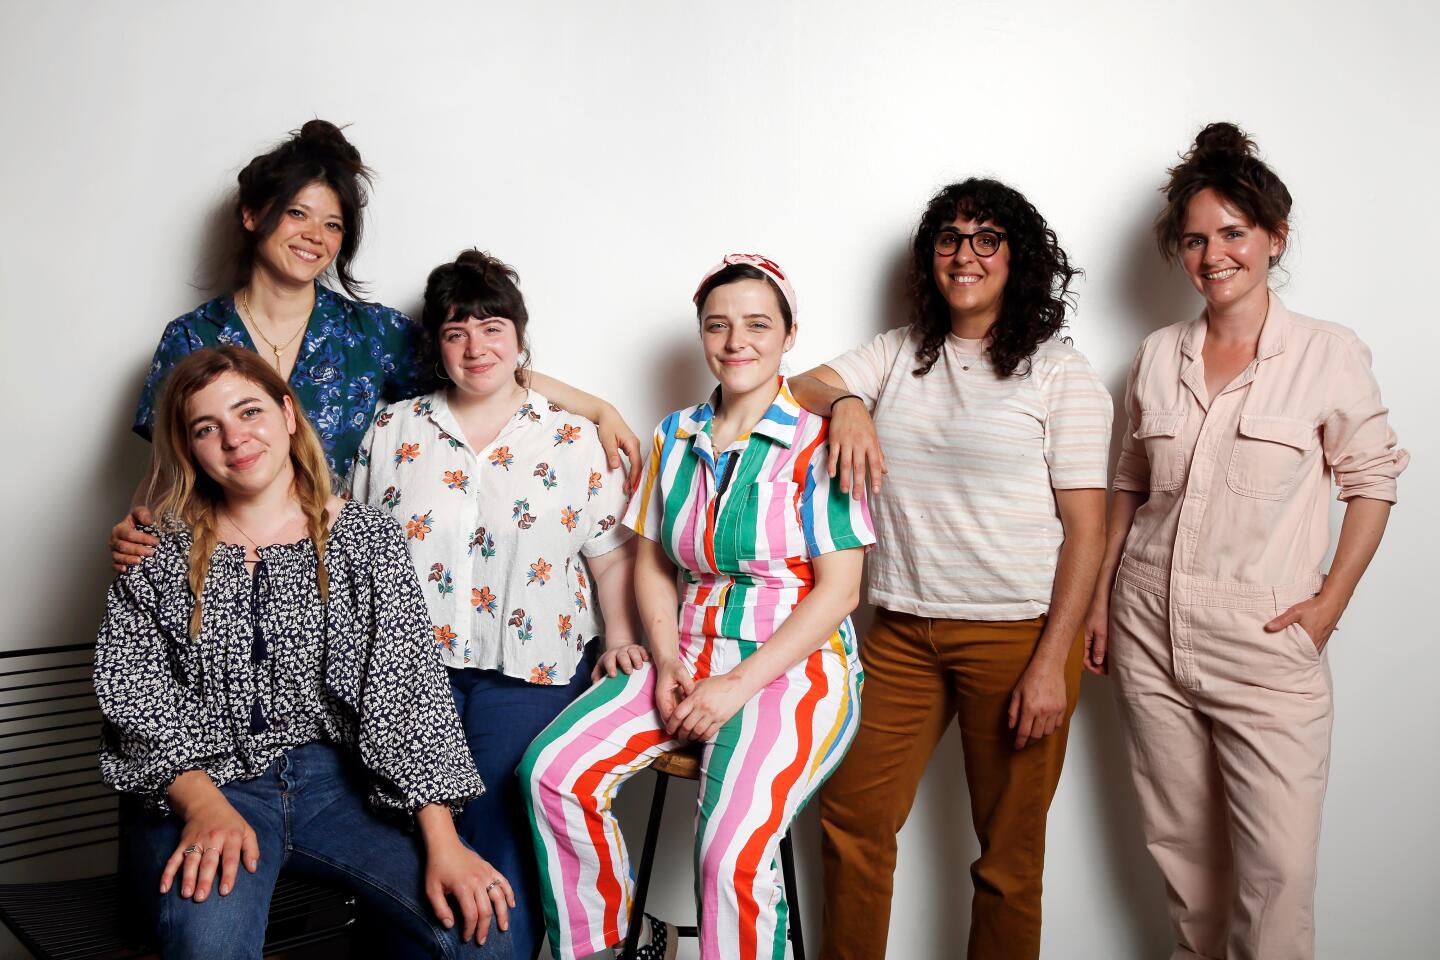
(990, 526)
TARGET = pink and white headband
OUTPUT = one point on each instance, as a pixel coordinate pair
(765, 265)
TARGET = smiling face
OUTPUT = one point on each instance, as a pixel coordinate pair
(239, 436)
(1226, 256)
(973, 286)
(480, 356)
(742, 332)
(305, 239)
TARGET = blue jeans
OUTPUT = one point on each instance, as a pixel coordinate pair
(308, 813)
(501, 715)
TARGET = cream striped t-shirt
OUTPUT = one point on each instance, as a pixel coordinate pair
(966, 518)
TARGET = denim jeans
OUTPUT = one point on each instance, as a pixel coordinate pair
(501, 716)
(308, 813)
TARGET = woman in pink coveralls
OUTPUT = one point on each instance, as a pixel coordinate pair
(1211, 610)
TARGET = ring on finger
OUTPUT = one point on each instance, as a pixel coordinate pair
(208, 849)
(494, 883)
(193, 848)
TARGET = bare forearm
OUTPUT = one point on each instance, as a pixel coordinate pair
(657, 600)
(1083, 514)
(1360, 535)
(614, 574)
(191, 791)
(571, 398)
(817, 390)
(437, 826)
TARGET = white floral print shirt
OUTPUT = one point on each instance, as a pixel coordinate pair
(497, 534)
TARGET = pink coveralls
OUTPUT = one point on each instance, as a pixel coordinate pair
(1227, 726)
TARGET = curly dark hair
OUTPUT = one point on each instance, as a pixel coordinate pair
(1224, 159)
(1037, 291)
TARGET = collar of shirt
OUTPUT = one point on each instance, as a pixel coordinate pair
(534, 414)
(1273, 335)
(776, 424)
(225, 317)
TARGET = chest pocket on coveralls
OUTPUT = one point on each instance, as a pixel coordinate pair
(1164, 450)
(1267, 455)
(748, 527)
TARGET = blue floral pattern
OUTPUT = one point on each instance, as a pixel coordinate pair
(355, 355)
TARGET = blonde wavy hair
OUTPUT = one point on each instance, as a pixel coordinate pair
(183, 496)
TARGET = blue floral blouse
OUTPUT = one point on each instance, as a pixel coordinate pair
(355, 356)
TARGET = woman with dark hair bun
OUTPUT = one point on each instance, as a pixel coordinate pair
(512, 516)
(990, 525)
(298, 219)
(1210, 608)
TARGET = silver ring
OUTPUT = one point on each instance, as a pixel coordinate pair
(493, 883)
(208, 849)
(193, 848)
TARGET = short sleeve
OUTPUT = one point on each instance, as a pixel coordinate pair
(831, 519)
(865, 368)
(404, 344)
(1359, 445)
(606, 501)
(358, 485)
(1078, 413)
(645, 513)
(1132, 473)
(176, 343)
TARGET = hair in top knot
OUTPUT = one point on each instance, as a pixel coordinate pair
(475, 284)
(316, 153)
(1224, 159)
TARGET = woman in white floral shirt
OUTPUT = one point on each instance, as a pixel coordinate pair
(501, 494)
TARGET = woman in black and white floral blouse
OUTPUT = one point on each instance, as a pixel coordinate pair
(280, 706)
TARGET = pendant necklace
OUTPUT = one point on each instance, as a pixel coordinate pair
(250, 318)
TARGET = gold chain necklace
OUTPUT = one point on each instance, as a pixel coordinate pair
(250, 318)
(231, 520)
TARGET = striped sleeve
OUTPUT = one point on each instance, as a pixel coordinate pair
(1077, 425)
(645, 510)
(830, 518)
(864, 369)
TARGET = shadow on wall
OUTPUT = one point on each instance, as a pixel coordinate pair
(1153, 296)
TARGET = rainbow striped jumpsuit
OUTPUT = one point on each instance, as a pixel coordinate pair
(741, 528)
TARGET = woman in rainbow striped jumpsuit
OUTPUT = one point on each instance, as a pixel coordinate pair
(757, 659)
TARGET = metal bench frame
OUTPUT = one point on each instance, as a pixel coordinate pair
(49, 768)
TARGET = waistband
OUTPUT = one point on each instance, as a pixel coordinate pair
(1217, 593)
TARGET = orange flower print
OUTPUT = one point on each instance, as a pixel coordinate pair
(568, 433)
(501, 457)
(594, 486)
(418, 526)
(456, 480)
(568, 516)
(407, 453)
(421, 407)
(544, 674)
(580, 600)
(444, 636)
(527, 412)
(539, 573)
(580, 576)
(563, 625)
(483, 600)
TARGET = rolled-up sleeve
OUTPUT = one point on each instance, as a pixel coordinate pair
(864, 368)
(1359, 445)
(1132, 473)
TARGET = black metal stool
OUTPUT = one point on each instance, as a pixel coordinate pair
(685, 764)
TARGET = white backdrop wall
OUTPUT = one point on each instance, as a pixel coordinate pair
(612, 151)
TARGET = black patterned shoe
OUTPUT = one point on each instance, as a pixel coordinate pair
(657, 941)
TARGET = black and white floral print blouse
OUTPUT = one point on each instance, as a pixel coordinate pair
(275, 668)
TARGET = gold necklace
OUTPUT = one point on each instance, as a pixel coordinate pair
(231, 521)
(250, 317)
